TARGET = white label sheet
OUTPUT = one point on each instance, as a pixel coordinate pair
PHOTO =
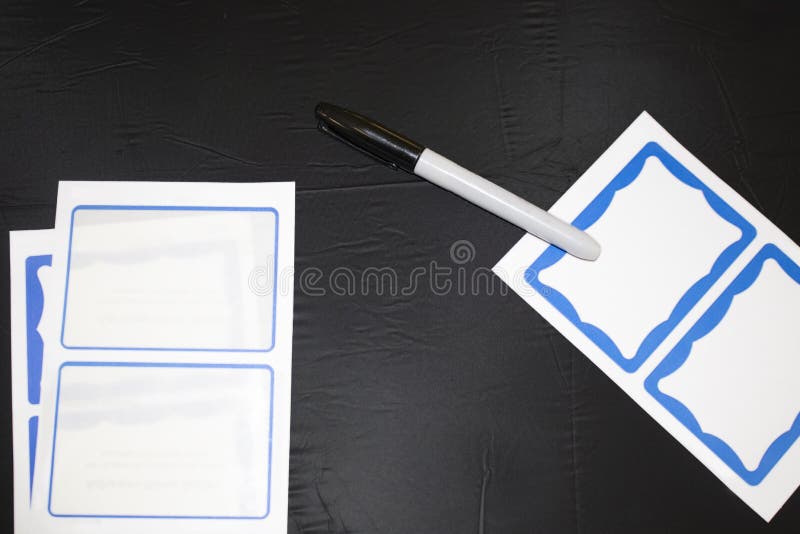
(691, 308)
(167, 359)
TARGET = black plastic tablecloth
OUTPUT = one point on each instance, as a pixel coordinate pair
(430, 410)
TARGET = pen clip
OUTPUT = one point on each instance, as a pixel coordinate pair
(324, 128)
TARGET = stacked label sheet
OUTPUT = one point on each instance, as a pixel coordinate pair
(151, 360)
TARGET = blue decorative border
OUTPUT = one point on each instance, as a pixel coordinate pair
(34, 304)
(167, 365)
(33, 432)
(595, 210)
(681, 352)
(173, 208)
(34, 349)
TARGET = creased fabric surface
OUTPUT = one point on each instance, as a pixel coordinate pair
(417, 407)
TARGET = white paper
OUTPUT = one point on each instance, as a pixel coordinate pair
(31, 256)
(690, 309)
(166, 384)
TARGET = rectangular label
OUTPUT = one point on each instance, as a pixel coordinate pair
(171, 278)
(162, 441)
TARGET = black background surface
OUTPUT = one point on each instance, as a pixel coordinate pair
(419, 413)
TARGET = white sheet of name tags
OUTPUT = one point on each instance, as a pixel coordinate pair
(166, 381)
(691, 308)
(31, 256)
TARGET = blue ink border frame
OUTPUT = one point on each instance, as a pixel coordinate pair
(34, 350)
(681, 352)
(165, 365)
(595, 210)
(33, 436)
(172, 208)
(34, 305)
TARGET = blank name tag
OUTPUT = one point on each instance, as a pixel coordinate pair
(171, 278)
(162, 441)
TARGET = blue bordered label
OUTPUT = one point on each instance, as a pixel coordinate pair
(172, 208)
(684, 303)
(172, 366)
(682, 352)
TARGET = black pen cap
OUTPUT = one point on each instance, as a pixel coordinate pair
(393, 149)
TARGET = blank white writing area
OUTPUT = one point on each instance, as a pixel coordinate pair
(149, 440)
(171, 278)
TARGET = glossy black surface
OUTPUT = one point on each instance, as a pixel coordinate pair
(432, 411)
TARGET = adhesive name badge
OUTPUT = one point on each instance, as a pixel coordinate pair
(170, 278)
(690, 307)
(741, 399)
(162, 441)
(652, 215)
